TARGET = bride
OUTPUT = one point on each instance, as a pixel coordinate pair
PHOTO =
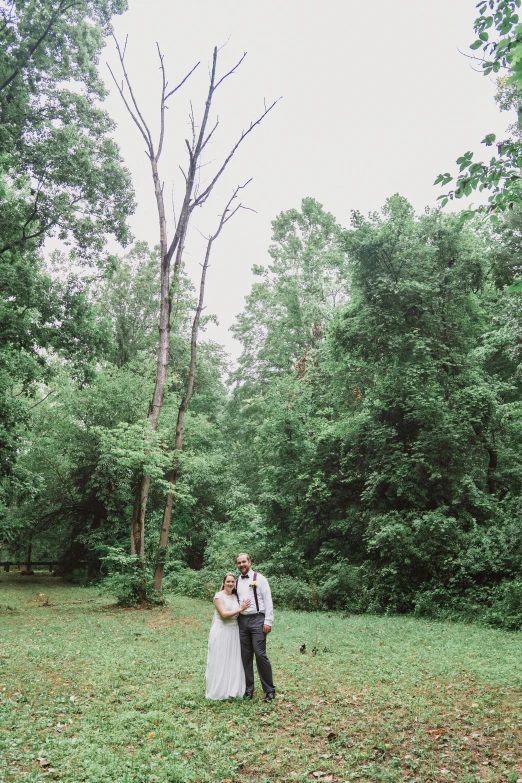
(225, 673)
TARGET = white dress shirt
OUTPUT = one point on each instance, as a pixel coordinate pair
(264, 596)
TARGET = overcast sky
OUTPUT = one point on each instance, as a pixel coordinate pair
(376, 99)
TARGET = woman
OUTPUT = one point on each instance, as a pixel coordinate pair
(225, 674)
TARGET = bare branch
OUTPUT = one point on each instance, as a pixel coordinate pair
(127, 106)
(162, 105)
(187, 206)
(174, 219)
(131, 93)
(227, 214)
(205, 194)
(225, 44)
(232, 70)
(40, 401)
(182, 82)
(210, 135)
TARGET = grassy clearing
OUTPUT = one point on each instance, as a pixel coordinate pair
(97, 694)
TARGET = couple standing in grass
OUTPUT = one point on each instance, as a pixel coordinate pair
(242, 620)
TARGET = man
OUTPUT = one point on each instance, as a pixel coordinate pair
(255, 623)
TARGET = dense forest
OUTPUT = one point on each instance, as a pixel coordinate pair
(366, 448)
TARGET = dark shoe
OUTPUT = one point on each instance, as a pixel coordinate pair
(248, 695)
(270, 696)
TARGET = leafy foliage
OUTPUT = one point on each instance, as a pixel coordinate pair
(60, 171)
(500, 38)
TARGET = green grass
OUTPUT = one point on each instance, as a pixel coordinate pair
(100, 694)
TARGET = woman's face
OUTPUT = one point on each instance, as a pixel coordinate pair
(229, 584)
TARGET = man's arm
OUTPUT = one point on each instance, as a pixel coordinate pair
(269, 606)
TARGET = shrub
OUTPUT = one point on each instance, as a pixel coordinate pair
(128, 579)
(194, 584)
(291, 593)
(506, 607)
(287, 592)
(343, 588)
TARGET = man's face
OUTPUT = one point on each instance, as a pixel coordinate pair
(243, 563)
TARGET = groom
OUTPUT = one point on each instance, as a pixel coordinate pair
(255, 623)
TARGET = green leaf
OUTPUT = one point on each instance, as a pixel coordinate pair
(476, 45)
(515, 288)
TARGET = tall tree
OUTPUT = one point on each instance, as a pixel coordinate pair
(60, 174)
(60, 170)
(171, 248)
(288, 310)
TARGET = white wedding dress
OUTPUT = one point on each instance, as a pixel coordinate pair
(225, 674)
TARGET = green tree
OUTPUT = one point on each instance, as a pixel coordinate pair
(289, 309)
(60, 171)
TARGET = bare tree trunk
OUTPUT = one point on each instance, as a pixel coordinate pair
(193, 197)
(173, 477)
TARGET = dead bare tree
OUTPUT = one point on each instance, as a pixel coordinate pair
(173, 248)
(227, 214)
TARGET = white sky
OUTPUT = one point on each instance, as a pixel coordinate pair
(376, 100)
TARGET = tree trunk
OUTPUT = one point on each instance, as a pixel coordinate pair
(169, 502)
(492, 466)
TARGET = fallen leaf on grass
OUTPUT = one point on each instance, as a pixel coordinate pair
(324, 776)
(42, 762)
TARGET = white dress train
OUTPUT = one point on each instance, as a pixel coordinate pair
(225, 674)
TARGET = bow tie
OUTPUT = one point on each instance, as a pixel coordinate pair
(245, 576)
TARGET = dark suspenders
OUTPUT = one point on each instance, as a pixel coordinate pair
(254, 589)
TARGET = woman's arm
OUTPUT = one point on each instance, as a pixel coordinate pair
(226, 613)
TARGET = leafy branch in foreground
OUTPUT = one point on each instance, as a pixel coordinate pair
(500, 37)
(502, 177)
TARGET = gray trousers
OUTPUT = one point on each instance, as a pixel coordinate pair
(253, 642)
